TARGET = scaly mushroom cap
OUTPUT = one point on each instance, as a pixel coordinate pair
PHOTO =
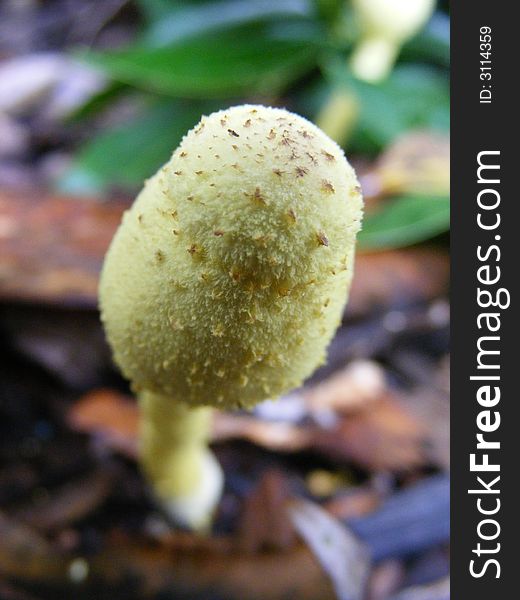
(228, 276)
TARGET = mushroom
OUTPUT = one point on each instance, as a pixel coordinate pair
(225, 283)
(385, 26)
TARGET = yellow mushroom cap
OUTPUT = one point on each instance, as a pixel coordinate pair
(228, 276)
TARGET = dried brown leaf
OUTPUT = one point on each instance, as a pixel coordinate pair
(381, 434)
(52, 248)
(264, 524)
(188, 561)
(384, 280)
(182, 561)
(386, 437)
(110, 416)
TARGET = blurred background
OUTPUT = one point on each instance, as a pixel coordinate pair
(339, 490)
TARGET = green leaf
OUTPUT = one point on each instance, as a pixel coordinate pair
(126, 155)
(404, 221)
(414, 96)
(196, 19)
(155, 10)
(98, 102)
(245, 61)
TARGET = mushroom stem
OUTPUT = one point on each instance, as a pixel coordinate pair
(338, 116)
(373, 58)
(185, 476)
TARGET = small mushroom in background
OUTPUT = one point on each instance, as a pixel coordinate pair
(225, 283)
(385, 26)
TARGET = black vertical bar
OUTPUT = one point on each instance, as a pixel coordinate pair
(479, 127)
